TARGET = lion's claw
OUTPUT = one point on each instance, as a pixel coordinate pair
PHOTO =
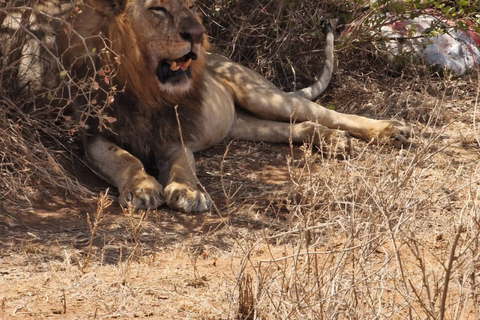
(185, 198)
(394, 132)
(143, 192)
(400, 133)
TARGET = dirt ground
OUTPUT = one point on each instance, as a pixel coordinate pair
(294, 235)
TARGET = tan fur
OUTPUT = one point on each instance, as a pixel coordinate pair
(208, 104)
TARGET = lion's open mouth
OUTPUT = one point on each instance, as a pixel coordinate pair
(174, 70)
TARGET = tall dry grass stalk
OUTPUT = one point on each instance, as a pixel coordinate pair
(93, 222)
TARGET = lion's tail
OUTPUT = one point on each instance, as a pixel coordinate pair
(312, 92)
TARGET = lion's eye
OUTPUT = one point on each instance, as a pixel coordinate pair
(158, 10)
(192, 8)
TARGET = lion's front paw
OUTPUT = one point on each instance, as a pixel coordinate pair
(182, 197)
(395, 132)
(143, 192)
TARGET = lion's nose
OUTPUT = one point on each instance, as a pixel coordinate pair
(193, 32)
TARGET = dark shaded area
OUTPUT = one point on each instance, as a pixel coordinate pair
(249, 195)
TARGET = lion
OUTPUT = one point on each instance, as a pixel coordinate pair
(176, 97)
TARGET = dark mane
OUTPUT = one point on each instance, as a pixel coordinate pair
(144, 131)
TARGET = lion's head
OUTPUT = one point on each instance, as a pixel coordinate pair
(160, 43)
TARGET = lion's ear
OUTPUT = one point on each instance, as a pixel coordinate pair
(109, 8)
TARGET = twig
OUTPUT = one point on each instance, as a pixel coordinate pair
(448, 271)
(103, 202)
(475, 110)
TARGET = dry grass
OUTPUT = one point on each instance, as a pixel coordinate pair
(382, 234)
(385, 235)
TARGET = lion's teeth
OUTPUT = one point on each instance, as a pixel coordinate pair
(186, 64)
(174, 66)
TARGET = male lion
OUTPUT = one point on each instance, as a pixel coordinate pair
(176, 98)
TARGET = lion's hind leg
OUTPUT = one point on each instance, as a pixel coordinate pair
(260, 97)
(251, 128)
(273, 104)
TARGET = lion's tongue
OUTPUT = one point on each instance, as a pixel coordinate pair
(179, 64)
